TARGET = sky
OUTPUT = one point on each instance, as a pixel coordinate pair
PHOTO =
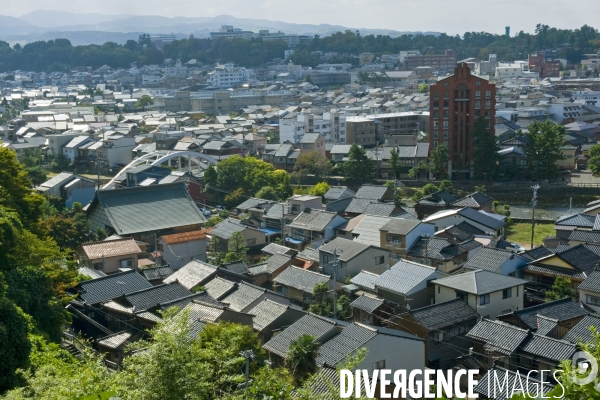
(450, 16)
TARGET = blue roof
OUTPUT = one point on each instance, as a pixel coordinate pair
(270, 231)
(294, 241)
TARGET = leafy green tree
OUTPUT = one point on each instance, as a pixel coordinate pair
(438, 163)
(394, 162)
(502, 210)
(210, 175)
(423, 88)
(301, 358)
(144, 102)
(359, 167)
(37, 175)
(311, 163)
(560, 289)
(319, 189)
(343, 307)
(446, 185)
(14, 343)
(321, 303)
(212, 221)
(543, 149)
(594, 159)
(267, 193)
(485, 150)
(238, 250)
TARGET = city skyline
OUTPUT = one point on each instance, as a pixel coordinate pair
(399, 15)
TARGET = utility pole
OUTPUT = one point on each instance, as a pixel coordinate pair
(533, 204)
(334, 265)
(425, 237)
(282, 223)
(248, 354)
(570, 204)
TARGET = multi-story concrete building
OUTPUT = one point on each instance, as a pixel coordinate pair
(227, 76)
(373, 129)
(455, 103)
(441, 62)
(332, 125)
(329, 78)
(229, 32)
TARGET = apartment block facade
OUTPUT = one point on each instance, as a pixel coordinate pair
(441, 62)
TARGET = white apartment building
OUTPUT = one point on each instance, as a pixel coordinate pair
(332, 125)
(561, 111)
(229, 32)
(589, 96)
(227, 76)
(518, 69)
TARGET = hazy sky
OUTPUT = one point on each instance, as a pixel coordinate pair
(451, 16)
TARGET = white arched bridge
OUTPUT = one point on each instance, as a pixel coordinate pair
(190, 161)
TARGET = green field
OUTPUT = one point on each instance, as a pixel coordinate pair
(521, 233)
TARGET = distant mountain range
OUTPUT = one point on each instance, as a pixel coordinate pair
(100, 28)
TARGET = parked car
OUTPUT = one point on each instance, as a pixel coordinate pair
(219, 208)
(517, 247)
(205, 212)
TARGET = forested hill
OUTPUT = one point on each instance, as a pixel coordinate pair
(60, 55)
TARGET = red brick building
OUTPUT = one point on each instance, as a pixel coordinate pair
(538, 63)
(455, 103)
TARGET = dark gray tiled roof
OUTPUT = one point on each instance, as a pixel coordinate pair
(498, 336)
(400, 226)
(325, 379)
(145, 299)
(585, 236)
(441, 315)
(596, 226)
(545, 324)
(489, 259)
(498, 374)
(435, 248)
(310, 324)
(404, 276)
(347, 249)
(366, 303)
(219, 287)
(109, 287)
(475, 200)
(579, 220)
(314, 220)
(337, 193)
(340, 205)
(243, 296)
(228, 227)
(552, 349)
(383, 209)
(193, 273)
(480, 282)
(560, 310)
(591, 283)
(358, 206)
(252, 202)
(581, 332)
(538, 252)
(351, 338)
(237, 267)
(555, 271)
(365, 279)
(157, 273)
(481, 218)
(149, 208)
(309, 254)
(371, 192)
(581, 258)
(439, 198)
(271, 265)
(266, 312)
(300, 279)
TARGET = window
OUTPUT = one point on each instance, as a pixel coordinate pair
(379, 364)
(477, 94)
(379, 260)
(445, 134)
(436, 95)
(438, 289)
(446, 84)
(127, 263)
(462, 295)
(435, 134)
(393, 238)
(517, 292)
(436, 114)
(98, 266)
(507, 293)
(251, 242)
(438, 335)
(477, 104)
(488, 94)
(484, 299)
(477, 83)
(306, 145)
(295, 207)
(488, 104)
(445, 94)
(592, 300)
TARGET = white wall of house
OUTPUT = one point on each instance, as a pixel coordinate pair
(590, 299)
(373, 260)
(421, 229)
(398, 353)
(497, 304)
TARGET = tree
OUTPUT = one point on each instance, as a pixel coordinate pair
(37, 175)
(439, 162)
(560, 289)
(502, 210)
(267, 193)
(359, 167)
(446, 185)
(319, 189)
(543, 149)
(594, 159)
(321, 304)
(311, 163)
(14, 343)
(485, 150)
(210, 175)
(216, 257)
(301, 358)
(238, 250)
(394, 162)
(144, 101)
(343, 307)
(423, 88)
